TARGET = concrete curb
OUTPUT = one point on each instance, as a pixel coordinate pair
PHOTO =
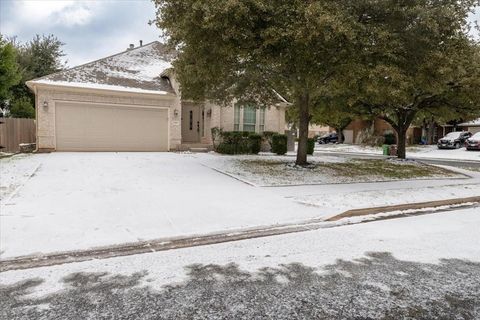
(403, 207)
(36, 261)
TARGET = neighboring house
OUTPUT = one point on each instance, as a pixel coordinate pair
(355, 131)
(131, 101)
(472, 126)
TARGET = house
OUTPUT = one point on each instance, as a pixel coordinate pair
(472, 126)
(131, 101)
(358, 130)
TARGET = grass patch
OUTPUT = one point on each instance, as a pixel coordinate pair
(386, 168)
(282, 172)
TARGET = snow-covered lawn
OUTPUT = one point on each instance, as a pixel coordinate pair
(281, 171)
(415, 152)
(418, 262)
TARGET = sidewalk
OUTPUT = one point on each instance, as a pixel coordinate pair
(346, 218)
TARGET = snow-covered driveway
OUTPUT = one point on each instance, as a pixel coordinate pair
(82, 200)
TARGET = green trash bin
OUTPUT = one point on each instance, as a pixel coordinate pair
(386, 150)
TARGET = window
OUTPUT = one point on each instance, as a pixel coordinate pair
(191, 120)
(261, 122)
(236, 118)
(249, 118)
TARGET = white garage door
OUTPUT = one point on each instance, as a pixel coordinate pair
(96, 127)
(474, 130)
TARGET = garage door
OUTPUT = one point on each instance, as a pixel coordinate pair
(95, 127)
(474, 130)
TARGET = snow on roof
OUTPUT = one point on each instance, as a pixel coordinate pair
(135, 70)
(471, 123)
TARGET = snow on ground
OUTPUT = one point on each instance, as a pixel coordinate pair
(421, 152)
(423, 239)
(414, 152)
(382, 197)
(265, 170)
(15, 171)
(83, 200)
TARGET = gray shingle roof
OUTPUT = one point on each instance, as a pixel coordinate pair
(136, 70)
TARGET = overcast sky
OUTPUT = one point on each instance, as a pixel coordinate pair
(91, 29)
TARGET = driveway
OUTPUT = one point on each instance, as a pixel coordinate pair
(73, 201)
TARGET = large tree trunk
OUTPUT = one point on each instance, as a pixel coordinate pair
(341, 136)
(431, 131)
(304, 120)
(401, 125)
(401, 142)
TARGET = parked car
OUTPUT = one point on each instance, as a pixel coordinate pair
(454, 140)
(473, 143)
(328, 138)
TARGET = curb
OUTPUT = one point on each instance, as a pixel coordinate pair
(403, 207)
(127, 249)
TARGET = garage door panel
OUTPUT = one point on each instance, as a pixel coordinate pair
(92, 127)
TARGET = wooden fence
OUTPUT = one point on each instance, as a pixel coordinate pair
(14, 131)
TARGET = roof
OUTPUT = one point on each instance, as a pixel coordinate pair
(473, 123)
(135, 70)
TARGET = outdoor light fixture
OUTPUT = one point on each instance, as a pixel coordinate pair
(45, 104)
(175, 113)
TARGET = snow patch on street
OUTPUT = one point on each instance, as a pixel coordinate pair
(425, 238)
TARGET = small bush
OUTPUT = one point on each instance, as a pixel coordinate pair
(390, 138)
(310, 145)
(225, 148)
(22, 108)
(279, 144)
(239, 142)
(216, 135)
(255, 143)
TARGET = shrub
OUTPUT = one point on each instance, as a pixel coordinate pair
(255, 143)
(310, 145)
(267, 135)
(216, 135)
(279, 144)
(239, 142)
(225, 148)
(22, 108)
(390, 138)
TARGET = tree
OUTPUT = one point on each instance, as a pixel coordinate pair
(22, 108)
(245, 50)
(39, 57)
(417, 58)
(338, 117)
(9, 71)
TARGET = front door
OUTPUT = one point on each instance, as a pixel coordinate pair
(191, 123)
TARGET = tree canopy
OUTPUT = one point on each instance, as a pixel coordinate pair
(9, 70)
(417, 58)
(246, 50)
(39, 57)
(389, 59)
